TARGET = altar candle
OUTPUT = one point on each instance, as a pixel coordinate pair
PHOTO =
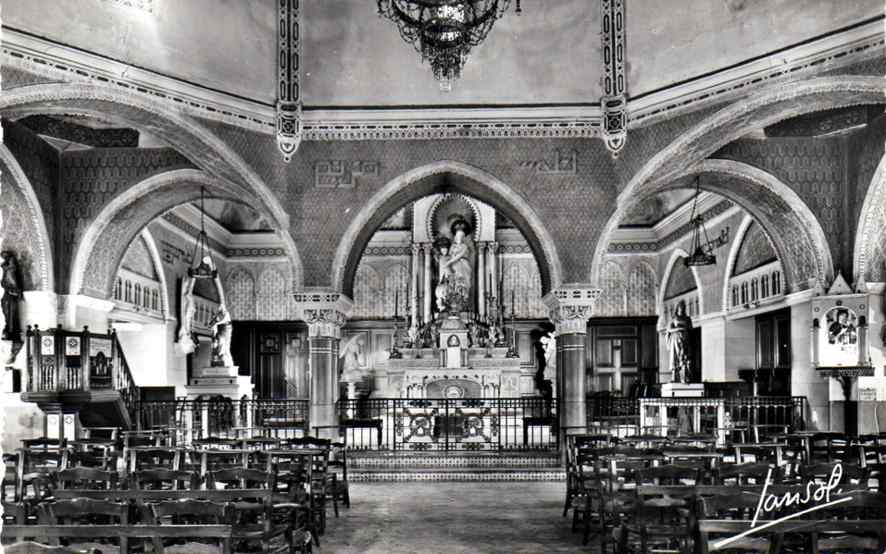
(513, 304)
(396, 303)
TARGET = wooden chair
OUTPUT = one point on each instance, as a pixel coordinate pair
(661, 520)
(86, 478)
(188, 513)
(138, 458)
(324, 483)
(263, 520)
(723, 517)
(338, 468)
(833, 447)
(164, 479)
(30, 547)
(849, 537)
(852, 476)
(746, 474)
(85, 512)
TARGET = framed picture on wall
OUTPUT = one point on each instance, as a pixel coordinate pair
(839, 328)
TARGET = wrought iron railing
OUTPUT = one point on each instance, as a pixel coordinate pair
(225, 418)
(450, 424)
(740, 412)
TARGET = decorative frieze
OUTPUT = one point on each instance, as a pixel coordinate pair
(343, 173)
(562, 164)
(255, 252)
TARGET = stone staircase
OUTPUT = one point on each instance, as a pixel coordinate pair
(454, 466)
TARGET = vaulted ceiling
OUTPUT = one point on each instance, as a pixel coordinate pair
(352, 57)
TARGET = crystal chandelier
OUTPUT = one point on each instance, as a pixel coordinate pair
(444, 31)
(702, 247)
(204, 268)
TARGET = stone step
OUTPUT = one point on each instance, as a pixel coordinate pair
(453, 461)
(458, 474)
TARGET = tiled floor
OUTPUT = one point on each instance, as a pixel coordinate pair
(447, 517)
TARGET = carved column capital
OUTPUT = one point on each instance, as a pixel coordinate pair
(416, 249)
(325, 312)
(570, 308)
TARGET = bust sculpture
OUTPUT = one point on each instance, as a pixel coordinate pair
(678, 335)
(12, 295)
(353, 359)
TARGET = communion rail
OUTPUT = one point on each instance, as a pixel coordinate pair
(624, 416)
(224, 418)
(450, 424)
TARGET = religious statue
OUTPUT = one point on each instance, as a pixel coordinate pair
(221, 338)
(186, 340)
(678, 345)
(459, 267)
(353, 359)
(12, 295)
(441, 291)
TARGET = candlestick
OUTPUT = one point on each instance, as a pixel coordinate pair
(396, 303)
(513, 304)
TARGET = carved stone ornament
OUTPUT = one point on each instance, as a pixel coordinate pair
(325, 312)
(324, 323)
(570, 308)
(289, 101)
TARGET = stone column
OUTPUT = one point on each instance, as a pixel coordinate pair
(492, 251)
(413, 295)
(325, 313)
(429, 293)
(481, 281)
(569, 310)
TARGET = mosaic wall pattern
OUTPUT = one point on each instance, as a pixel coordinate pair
(138, 259)
(240, 293)
(521, 276)
(680, 281)
(16, 232)
(755, 250)
(642, 290)
(381, 281)
(613, 299)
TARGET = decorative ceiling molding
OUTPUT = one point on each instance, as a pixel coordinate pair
(672, 229)
(289, 105)
(614, 101)
(58, 61)
(826, 53)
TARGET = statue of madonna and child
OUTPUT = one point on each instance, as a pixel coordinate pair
(455, 266)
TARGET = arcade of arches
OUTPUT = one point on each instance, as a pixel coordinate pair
(379, 276)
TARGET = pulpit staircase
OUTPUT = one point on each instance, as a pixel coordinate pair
(80, 372)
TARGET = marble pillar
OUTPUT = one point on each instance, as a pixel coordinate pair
(569, 310)
(481, 280)
(325, 313)
(428, 292)
(492, 252)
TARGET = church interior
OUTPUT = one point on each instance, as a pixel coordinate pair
(443, 276)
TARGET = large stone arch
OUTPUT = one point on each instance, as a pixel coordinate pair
(869, 258)
(451, 176)
(185, 134)
(42, 275)
(102, 245)
(797, 235)
(770, 105)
